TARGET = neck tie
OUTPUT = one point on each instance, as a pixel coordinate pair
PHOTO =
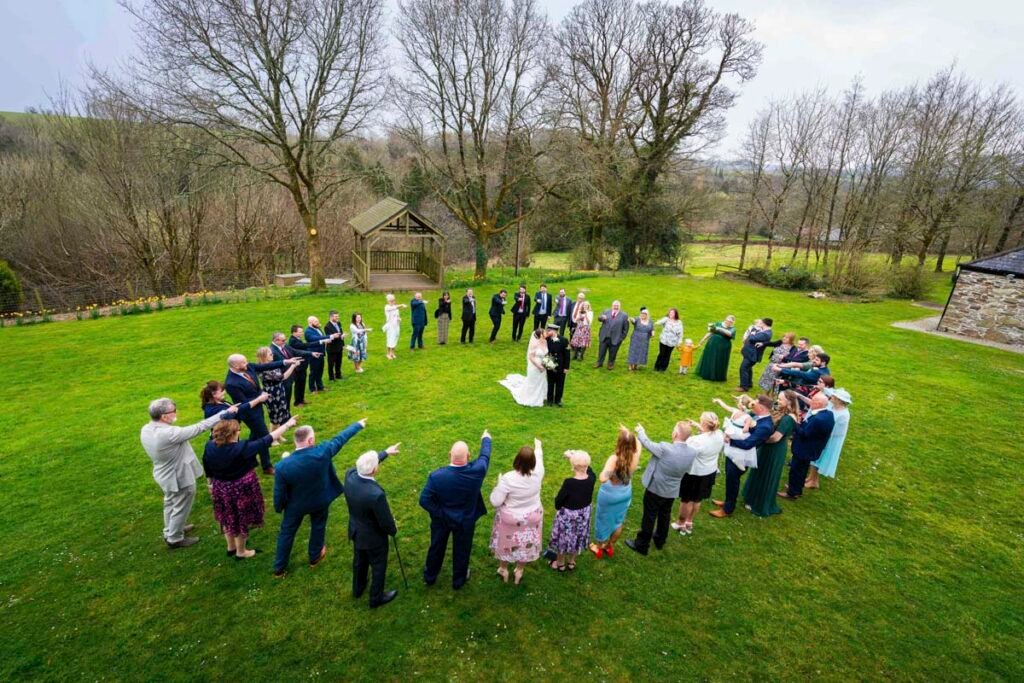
(248, 378)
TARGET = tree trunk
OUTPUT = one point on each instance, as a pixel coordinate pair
(746, 234)
(942, 252)
(317, 282)
(1018, 206)
(482, 239)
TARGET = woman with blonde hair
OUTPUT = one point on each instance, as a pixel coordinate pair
(615, 494)
(763, 483)
(583, 318)
(275, 384)
(392, 324)
(570, 531)
(518, 512)
(696, 484)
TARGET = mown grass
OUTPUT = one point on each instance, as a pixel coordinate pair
(908, 567)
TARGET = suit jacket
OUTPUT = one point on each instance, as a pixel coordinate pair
(542, 299)
(288, 351)
(175, 465)
(316, 338)
(497, 306)
(419, 313)
(750, 351)
(795, 355)
(669, 462)
(811, 435)
(369, 516)
(614, 330)
(338, 345)
(569, 303)
(452, 494)
(558, 347)
(469, 309)
(306, 480)
(808, 378)
(242, 390)
(763, 428)
(303, 349)
(521, 301)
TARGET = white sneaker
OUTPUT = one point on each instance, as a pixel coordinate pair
(677, 526)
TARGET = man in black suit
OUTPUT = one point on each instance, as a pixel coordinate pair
(520, 312)
(307, 351)
(243, 384)
(809, 439)
(562, 311)
(497, 312)
(370, 523)
(281, 351)
(558, 348)
(753, 351)
(468, 317)
(335, 348)
(541, 308)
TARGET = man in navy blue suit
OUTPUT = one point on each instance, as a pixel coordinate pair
(243, 384)
(418, 307)
(763, 428)
(541, 307)
(452, 497)
(809, 439)
(753, 351)
(316, 338)
(305, 485)
(370, 523)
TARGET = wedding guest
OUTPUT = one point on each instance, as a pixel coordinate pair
(671, 337)
(763, 483)
(809, 440)
(686, 356)
(518, 512)
(274, 386)
(804, 380)
(335, 348)
(357, 351)
(443, 316)
(307, 352)
(570, 531)
(640, 340)
(175, 466)
(763, 428)
(452, 498)
(468, 317)
(782, 348)
(661, 480)
(316, 338)
(520, 312)
(392, 324)
(282, 351)
(714, 361)
(580, 298)
(418, 308)
(211, 398)
(234, 487)
(563, 311)
(243, 384)
(583, 318)
(753, 351)
(839, 402)
(497, 312)
(370, 523)
(615, 494)
(541, 308)
(699, 480)
(614, 328)
(305, 486)
(558, 348)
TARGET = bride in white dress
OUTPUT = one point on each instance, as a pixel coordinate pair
(531, 390)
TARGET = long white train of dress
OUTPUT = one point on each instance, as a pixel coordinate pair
(531, 390)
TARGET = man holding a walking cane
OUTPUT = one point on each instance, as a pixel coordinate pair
(369, 524)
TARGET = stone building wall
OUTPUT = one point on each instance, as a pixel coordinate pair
(986, 307)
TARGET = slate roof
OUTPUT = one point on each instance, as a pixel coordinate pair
(1004, 263)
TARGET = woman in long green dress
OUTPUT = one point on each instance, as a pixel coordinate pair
(763, 483)
(714, 362)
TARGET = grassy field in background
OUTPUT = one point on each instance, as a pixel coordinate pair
(907, 567)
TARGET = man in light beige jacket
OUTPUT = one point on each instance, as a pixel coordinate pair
(175, 466)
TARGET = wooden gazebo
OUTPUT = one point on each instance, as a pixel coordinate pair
(379, 269)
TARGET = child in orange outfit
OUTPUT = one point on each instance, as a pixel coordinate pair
(685, 356)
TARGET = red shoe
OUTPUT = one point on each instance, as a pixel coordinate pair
(598, 553)
(610, 551)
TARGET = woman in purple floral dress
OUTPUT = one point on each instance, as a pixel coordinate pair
(570, 532)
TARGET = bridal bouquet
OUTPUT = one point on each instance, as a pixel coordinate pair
(549, 362)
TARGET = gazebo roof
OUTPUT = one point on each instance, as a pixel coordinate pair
(1010, 262)
(390, 214)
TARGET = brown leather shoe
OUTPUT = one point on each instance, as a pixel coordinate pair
(323, 553)
(721, 514)
(718, 503)
(269, 471)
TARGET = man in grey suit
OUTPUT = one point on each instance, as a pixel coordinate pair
(175, 466)
(669, 462)
(614, 328)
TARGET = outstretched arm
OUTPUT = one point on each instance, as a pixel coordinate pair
(657, 450)
(335, 444)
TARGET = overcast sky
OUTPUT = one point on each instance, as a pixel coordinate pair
(809, 43)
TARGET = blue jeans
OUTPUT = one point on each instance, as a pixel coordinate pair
(733, 475)
(286, 537)
(417, 336)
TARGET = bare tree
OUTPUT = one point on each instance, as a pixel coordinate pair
(754, 155)
(276, 84)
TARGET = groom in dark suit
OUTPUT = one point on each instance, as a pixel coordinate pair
(753, 352)
(558, 348)
(809, 439)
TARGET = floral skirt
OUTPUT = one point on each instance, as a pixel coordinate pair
(516, 537)
(238, 505)
(570, 534)
(581, 337)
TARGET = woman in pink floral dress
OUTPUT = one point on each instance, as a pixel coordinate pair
(518, 513)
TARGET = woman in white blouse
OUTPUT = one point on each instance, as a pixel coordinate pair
(392, 324)
(518, 513)
(697, 483)
(670, 339)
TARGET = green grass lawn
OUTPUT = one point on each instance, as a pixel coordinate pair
(908, 567)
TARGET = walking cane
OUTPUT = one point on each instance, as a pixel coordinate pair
(400, 565)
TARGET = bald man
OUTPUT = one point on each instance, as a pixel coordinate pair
(452, 497)
(809, 439)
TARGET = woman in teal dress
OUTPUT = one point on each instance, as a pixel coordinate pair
(763, 482)
(714, 362)
(615, 494)
(825, 465)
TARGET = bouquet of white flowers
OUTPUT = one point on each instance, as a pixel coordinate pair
(549, 362)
